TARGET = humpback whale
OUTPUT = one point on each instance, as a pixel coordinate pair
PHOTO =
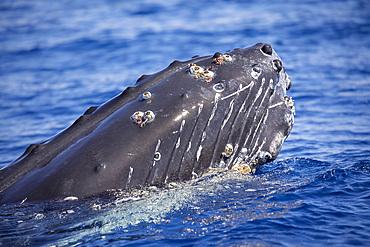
(226, 111)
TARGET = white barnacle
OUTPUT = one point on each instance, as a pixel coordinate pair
(137, 115)
(208, 75)
(229, 149)
(147, 95)
(70, 198)
(227, 58)
(149, 116)
(195, 69)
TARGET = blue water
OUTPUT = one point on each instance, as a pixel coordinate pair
(57, 58)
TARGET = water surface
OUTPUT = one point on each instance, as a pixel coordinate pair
(59, 58)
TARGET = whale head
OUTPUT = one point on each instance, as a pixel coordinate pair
(228, 110)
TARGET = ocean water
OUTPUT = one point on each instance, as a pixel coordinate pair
(58, 58)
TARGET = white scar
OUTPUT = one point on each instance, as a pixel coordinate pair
(238, 91)
(277, 104)
(129, 177)
(156, 152)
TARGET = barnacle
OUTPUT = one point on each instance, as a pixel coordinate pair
(195, 69)
(149, 116)
(227, 58)
(198, 71)
(208, 75)
(147, 95)
(137, 115)
(141, 118)
(220, 59)
(229, 149)
(70, 198)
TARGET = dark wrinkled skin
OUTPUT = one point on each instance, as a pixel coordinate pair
(104, 149)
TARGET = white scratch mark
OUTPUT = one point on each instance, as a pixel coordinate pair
(181, 127)
(158, 144)
(238, 91)
(200, 109)
(183, 114)
(263, 118)
(277, 104)
(199, 152)
(178, 143)
(217, 96)
(231, 107)
(156, 151)
(256, 142)
(189, 146)
(258, 149)
(129, 177)
(271, 84)
(203, 136)
(250, 108)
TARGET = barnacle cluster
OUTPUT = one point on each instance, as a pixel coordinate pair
(220, 59)
(290, 104)
(141, 118)
(198, 72)
(243, 168)
(246, 168)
